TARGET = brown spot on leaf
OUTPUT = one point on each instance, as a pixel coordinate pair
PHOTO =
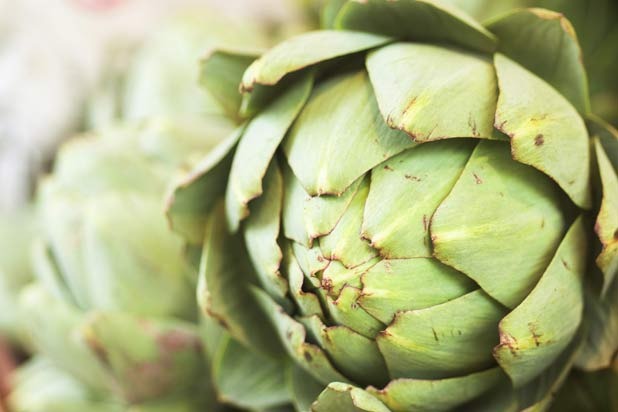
(409, 106)
(425, 223)
(477, 179)
(307, 356)
(532, 327)
(501, 125)
(565, 264)
(539, 118)
(539, 140)
(413, 178)
(510, 342)
(435, 335)
(472, 125)
(387, 167)
(616, 234)
(217, 317)
(327, 284)
(388, 267)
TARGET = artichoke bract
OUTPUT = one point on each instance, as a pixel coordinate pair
(113, 312)
(415, 192)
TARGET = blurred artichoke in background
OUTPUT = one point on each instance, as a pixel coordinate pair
(43, 387)
(113, 312)
(414, 191)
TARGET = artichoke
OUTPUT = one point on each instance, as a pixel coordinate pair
(113, 312)
(114, 303)
(415, 193)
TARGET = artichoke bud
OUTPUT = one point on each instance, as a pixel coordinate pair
(424, 214)
(108, 236)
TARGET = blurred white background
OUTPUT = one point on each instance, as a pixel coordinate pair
(54, 53)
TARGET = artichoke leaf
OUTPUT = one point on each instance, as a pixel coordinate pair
(600, 345)
(355, 355)
(416, 20)
(308, 302)
(545, 129)
(344, 243)
(606, 225)
(451, 339)
(340, 135)
(303, 388)
(342, 397)
(425, 395)
(537, 331)
(432, 92)
(257, 147)
(346, 310)
(192, 197)
(404, 194)
(322, 213)
(305, 50)
(556, 56)
(410, 284)
(220, 73)
(500, 225)
(261, 232)
(263, 387)
(293, 335)
(225, 279)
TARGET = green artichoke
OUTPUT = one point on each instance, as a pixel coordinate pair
(114, 303)
(415, 192)
(113, 309)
